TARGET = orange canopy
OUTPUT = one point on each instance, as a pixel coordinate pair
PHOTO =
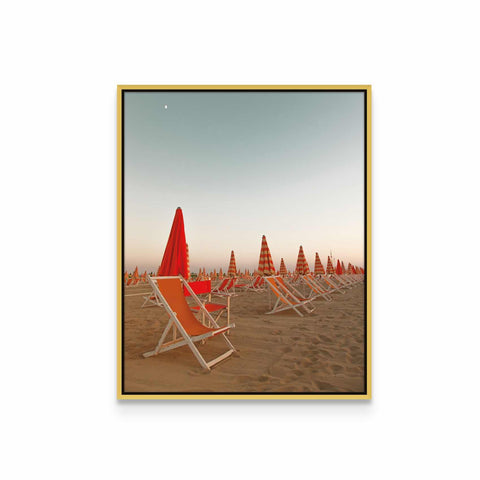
(232, 268)
(330, 268)
(302, 265)
(265, 262)
(319, 270)
(175, 256)
(283, 268)
(339, 270)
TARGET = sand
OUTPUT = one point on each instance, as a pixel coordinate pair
(321, 352)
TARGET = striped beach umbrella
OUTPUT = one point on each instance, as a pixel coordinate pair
(343, 267)
(338, 270)
(135, 274)
(330, 269)
(283, 268)
(319, 270)
(232, 268)
(349, 269)
(302, 265)
(265, 262)
(220, 274)
(362, 271)
(187, 272)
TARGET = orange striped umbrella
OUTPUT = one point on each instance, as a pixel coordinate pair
(330, 269)
(283, 268)
(135, 273)
(187, 273)
(302, 265)
(319, 270)
(343, 268)
(339, 270)
(362, 271)
(265, 262)
(350, 269)
(232, 268)
(220, 275)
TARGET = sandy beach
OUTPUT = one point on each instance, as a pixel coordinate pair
(321, 352)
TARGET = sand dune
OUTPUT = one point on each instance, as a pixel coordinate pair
(321, 352)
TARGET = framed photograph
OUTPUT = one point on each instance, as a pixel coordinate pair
(244, 242)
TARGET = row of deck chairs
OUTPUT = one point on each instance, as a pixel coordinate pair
(289, 297)
(186, 329)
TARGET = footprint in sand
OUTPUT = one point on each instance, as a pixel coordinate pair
(337, 368)
(324, 353)
(243, 379)
(323, 385)
(325, 339)
(306, 362)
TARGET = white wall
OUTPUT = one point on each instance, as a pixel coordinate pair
(61, 63)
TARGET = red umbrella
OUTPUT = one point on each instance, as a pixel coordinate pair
(175, 259)
(339, 270)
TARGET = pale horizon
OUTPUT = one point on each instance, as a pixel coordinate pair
(289, 166)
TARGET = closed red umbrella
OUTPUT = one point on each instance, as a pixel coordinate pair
(175, 259)
(339, 270)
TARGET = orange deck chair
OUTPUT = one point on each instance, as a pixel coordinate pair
(316, 290)
(183, 321)
(285, 298)
(204, 287)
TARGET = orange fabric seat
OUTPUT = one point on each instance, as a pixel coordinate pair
(211, 307)
(172, 291)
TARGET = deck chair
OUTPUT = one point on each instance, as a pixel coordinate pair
(285, 298)
(221, 286)
(258, 284)
(204, 287)
(226, 288)
(316, 290)
(331, 284)
(181, 318)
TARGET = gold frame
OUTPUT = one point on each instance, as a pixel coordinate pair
(297, 396)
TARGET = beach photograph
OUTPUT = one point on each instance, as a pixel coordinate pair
(243, 242)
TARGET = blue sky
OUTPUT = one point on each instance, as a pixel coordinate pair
(288, 165)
